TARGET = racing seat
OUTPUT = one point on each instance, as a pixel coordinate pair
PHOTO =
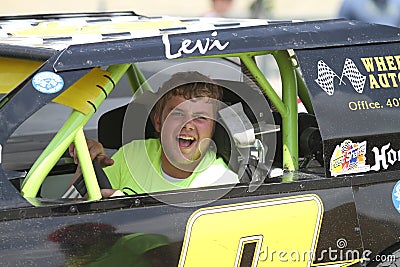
(110, 125)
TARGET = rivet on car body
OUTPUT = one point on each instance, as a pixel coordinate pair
(137, 202)
(73, 209)
(22, 213)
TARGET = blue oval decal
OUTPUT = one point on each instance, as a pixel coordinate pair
(396, 196)
(48, 82)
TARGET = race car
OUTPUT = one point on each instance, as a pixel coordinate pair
(317, 188)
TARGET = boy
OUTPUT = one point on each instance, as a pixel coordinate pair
(181, 158)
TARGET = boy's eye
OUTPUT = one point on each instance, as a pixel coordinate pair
(177, 114)
(200, 118)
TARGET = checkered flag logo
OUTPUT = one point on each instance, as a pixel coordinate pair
(350, 70)
(325, 77)
(355, 77)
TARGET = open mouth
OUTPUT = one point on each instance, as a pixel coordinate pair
(186, 141)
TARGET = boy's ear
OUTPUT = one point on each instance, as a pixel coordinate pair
(157, 123)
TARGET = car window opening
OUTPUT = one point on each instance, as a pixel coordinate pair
(110, 122)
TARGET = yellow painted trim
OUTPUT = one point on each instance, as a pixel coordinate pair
(14, 71)
(65, 28)
(279, 229)
(85, 90)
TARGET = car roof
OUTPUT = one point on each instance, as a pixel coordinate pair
(85, 40)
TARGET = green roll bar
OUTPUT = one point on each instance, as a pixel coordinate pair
(71, 131)
(287, 106)
(137, 80)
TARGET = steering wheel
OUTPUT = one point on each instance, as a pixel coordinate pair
(101, 176)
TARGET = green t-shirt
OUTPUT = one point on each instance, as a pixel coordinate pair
(137, 169)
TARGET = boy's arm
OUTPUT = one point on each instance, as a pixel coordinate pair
(96, 151)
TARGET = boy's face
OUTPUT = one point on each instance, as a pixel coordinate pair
(186, 128)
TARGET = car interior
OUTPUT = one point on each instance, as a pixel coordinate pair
(110, 133)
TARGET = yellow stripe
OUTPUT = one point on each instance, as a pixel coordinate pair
(84, 90)
(68, 28)
(14, 71)
(131, 26)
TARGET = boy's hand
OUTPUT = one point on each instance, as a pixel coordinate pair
(96, 151)
(105, 193)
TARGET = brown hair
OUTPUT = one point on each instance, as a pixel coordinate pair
(189, 85)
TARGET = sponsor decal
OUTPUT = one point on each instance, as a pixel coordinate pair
(349, 157)
(386, 66)
(396, 196)
(381, 72)
(375, 72)
(326, 76)
(48, 82)
(384, 157)
(188, 46)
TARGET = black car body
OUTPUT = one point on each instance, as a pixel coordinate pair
(336, 201)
